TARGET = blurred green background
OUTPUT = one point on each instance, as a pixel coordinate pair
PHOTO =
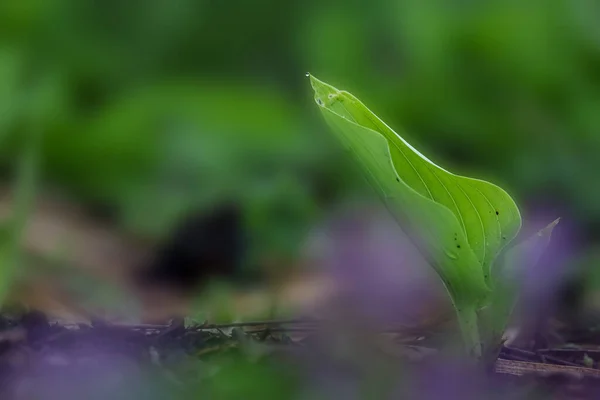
(154, 108)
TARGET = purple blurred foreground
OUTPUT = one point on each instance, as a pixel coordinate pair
(382, 280)
(379, 275)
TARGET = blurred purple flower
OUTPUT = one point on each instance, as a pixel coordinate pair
(81, 372)
(356, 374)
(381, 278)
(378, 273)
(449, 380)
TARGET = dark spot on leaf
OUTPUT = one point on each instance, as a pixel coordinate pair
(497, 213)
(458, 246)
(503, 237)
(320, 102)
(397, 179)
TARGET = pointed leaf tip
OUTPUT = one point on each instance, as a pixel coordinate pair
(547, 231)
(324, 93)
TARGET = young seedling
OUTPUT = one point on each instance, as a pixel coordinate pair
(459, 224)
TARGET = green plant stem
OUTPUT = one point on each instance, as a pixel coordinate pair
(24, 189)
(469, 329)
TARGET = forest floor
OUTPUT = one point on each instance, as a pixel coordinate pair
(35, 353)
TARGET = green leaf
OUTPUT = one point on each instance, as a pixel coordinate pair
(487, 215)
(459, 224)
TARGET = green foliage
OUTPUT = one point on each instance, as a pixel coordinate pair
(160, 152)
(468, 79)
(471, 79)
(486, 214)
(459, 224)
